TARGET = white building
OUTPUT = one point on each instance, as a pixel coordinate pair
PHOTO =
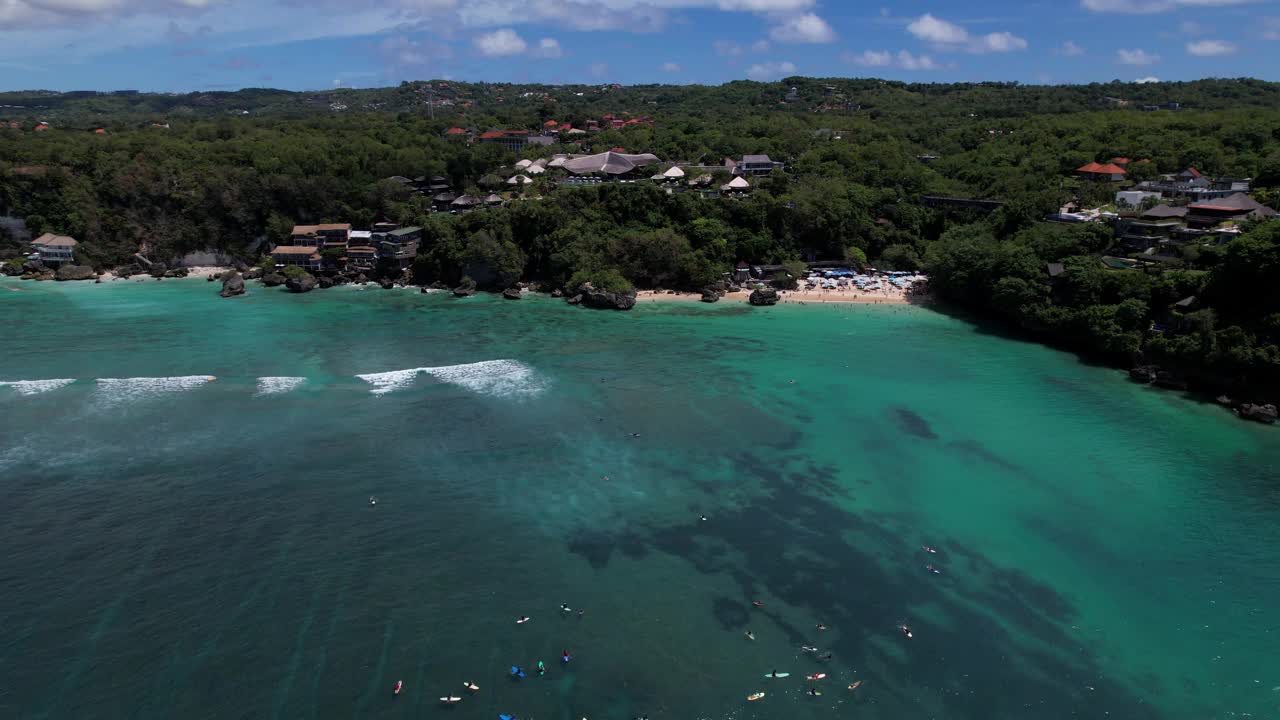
(54, 249)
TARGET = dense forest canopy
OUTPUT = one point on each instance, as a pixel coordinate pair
(234, 171)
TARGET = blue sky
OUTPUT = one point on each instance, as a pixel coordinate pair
(183, 45)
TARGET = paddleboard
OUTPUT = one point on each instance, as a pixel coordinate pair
(816, 676)
(506, 717)
(522, 621)
(779, 675)
(450, 699)
(756, 696)
(855, 685)
(470, 686)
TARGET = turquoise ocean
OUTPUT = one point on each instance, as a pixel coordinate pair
(173, 547)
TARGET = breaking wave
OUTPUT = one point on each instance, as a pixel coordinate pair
(122, 389)
(278, 385)
(35, 387)
(501, 378)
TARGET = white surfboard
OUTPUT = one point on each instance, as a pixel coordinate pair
(779, 675)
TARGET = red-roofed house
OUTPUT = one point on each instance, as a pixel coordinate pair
(1121, 161)
(513, 140)
(41, 127)
(455, 133)
(1101, 173)
(100, 131)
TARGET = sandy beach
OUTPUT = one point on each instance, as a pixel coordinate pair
(801, 297)
(199, 271)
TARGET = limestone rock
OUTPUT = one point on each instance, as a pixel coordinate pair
(75, 272)
(232, 285)
(763, 297)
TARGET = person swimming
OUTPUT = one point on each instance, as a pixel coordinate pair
(933, 569)
(373, 500)
(905, 631)
(581, 612)
(565, 657)
(814, 691)
(703, 518)
(821, 627)
(757, 603)
(542, 669)
(828, 656)
(928, 549)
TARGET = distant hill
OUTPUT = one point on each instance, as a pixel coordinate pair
(810, 95)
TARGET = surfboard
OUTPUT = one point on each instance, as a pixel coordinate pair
(450, 699)
(855, 685)
(779, 675)
(756, 696)
(816, 676)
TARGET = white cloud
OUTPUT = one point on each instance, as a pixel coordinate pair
(1069, 49)
(934, 30)
(1190, 27)
(1137, 56)
(807, 28)
(547, 48)
(500, 43)
(1144, 7)
(771, 70)
(671, 67)
(907, 61)
(946, 35)
(1210, 48)
(871, 58)
(1147, 79)
(883, 58)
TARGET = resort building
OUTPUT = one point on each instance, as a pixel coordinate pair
(757, 165)
(303, 256)
(330, 235)
(610, 163)
(513, 140)
(53, 249)
(1101, 173)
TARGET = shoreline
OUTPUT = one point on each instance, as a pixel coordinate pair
(788, 297)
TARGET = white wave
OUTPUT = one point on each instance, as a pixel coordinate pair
(277, 385)
(385, 382)
(35, 387)
(502, 378)
(122, 389)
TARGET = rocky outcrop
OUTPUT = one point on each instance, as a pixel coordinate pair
(575, 300)
(33, 267)
(1258, 413)
(211, 278)
(11, 269)
(733, 289)
(75, 272)
(557, 293)
(232, 285)
(511, 293)
(45, 274)
(273, 279)
(325, 283)
(600, 299)
(763, 297)
(1144, 373)
(387, 284)
(301, 284)
(1171, 380)
(157, 270)
(253, 274)
(179, 272)
(361, 279)
(710, 296)
(466, 289)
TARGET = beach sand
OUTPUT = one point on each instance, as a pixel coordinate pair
(815, 297)
(199, 271)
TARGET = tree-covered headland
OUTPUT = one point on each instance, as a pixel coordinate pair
(233, 172)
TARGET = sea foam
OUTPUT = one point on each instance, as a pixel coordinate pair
(501, 378)
(278, 385)
(124, 389)
(35, 387)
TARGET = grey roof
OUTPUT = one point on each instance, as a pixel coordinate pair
(756, 160)
(1186, 302)
(1055, 269)
(404, 231)
(541, 140)
(611, 163)
(51, 240)
(445, 197)
(493, 198)
(467, 201)
(1239, 201)
(1165, 211)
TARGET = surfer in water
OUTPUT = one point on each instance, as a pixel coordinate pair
(929, 549)
(814, 692)
(905, 631)
(565, 657)
(373, 500)
(826, 657)
(542, 669)
(565, 608)
(750, 635)
(522, 619)
(821, 627)
(933, 569)
(808, 649)
(757, 603)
